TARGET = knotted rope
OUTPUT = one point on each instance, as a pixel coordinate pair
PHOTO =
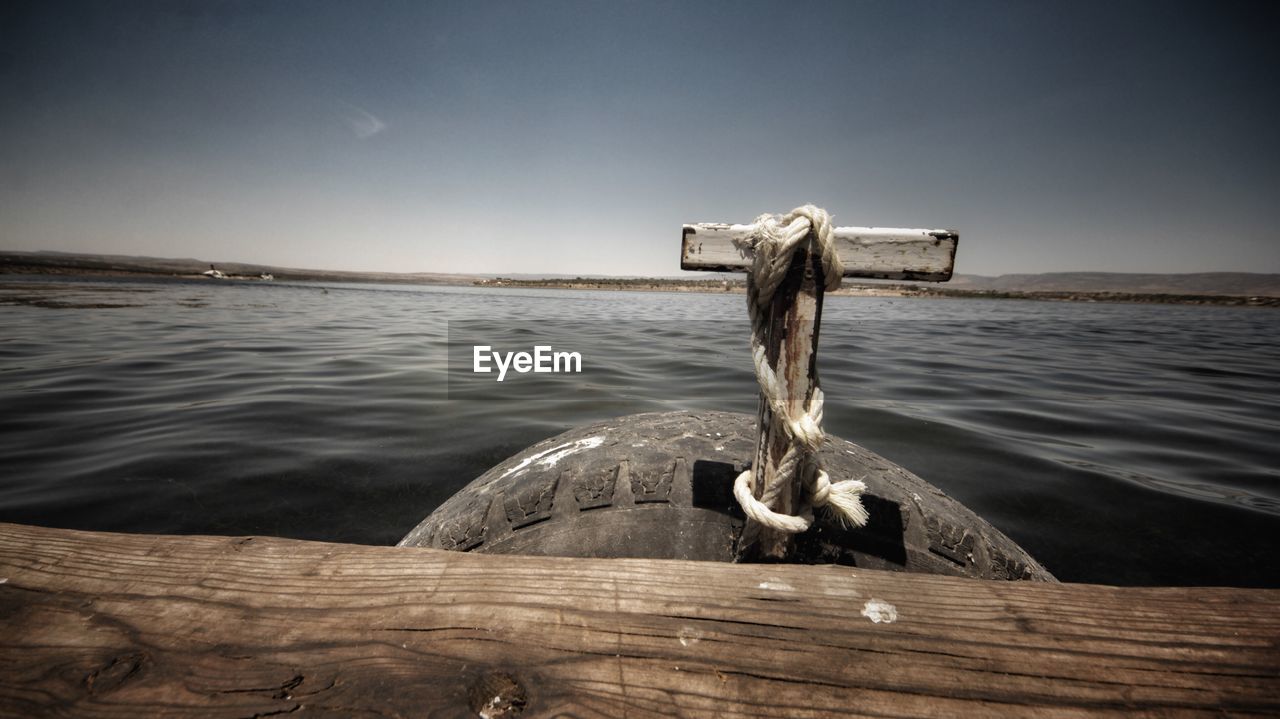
(775, 241)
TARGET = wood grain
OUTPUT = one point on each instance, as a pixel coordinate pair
(792, 326)
(102, 625)
(875, 252)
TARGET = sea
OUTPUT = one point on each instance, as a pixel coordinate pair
(1129, 444)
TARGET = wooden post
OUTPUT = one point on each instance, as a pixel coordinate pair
(791, 347)
(794, 318)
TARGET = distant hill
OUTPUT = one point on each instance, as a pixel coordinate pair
(1234, 284)
(68, 263)
(1239, 284)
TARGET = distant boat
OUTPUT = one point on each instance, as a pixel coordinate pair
(267, 276)
(214, 273)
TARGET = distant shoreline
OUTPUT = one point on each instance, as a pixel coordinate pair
(58, 265)
(852, 289)
(72, 272)
(1217, 292)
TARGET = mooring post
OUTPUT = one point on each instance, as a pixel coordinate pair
(794, 317)
(793, 321)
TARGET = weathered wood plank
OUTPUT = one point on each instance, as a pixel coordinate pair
(794, 320)
(874, 252)
(101, 625)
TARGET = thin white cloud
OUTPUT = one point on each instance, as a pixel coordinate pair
(362, 122)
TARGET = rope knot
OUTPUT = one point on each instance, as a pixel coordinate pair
(807, 432)
(844, 498)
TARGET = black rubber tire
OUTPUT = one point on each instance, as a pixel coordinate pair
(660, 486)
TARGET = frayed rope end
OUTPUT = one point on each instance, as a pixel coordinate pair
(845, 501)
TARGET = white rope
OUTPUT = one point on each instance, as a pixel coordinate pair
(774, 242)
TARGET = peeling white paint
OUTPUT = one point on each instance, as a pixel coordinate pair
(777, 586)
(492, 709)
(688, 636)
(549, 457)
(719, 449)
(878, 610)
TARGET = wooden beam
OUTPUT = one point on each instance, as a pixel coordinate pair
(874, 252)
(102, 625)
(791, 347)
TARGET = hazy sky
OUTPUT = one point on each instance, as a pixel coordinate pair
(576, 137)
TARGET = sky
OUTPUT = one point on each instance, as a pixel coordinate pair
(577, 137)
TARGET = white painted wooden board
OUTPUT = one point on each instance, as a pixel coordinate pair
(892, 253)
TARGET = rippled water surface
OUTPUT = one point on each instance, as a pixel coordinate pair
(1129, 444)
